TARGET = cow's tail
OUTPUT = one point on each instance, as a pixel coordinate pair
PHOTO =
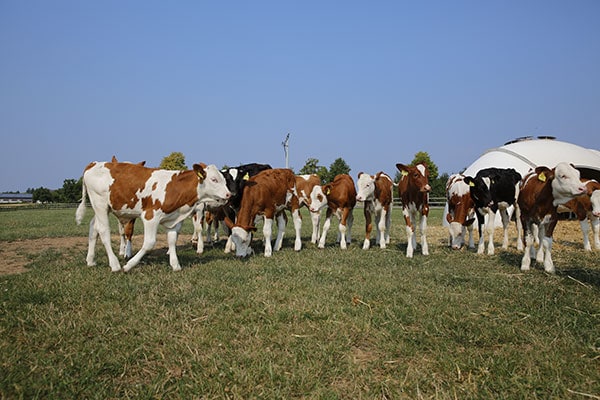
(81, 208)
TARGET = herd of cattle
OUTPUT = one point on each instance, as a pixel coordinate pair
(239, 197)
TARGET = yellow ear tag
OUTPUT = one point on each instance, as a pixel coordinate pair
(404, 172)
(201, 176)
(472, 184)
(542, 177)
(246, 177)
(328, 191)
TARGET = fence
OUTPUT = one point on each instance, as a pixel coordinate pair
(37, 206)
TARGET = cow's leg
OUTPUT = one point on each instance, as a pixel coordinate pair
(298, 228)
(102, 227)
(424, 244)
(123, 240)
(381, 229)
(541, 234)
(410, 235)
(595, 222)
(150, 229)
(481, 231)
(547, 245)
(585, 230)
(267, 232)
(519, 224)
(471, 236)
(505, 224)
(349, 223)
(490, 228)
(343, 227)
(527, 253)
(316, 219)
(281, 223)
(368, 227)
(326, 226)
(92, 238)
(172, 242)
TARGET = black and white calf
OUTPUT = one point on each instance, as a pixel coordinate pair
(492, 190)
(236, 179)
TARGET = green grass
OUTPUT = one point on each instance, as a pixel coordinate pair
(328, 324)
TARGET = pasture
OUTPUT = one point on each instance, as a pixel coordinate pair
(328, 323)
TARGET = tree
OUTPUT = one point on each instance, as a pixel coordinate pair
(174, 161)
(42, 195)
(70, 192)
(339, 166)
(312, 167)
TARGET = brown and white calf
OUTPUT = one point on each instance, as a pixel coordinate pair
(156, 196)
(375, 191)
(460, 212)
(413, 191)
(269, 193)
(304, 187)
(542, 190)
(340, 198)
(587, 208)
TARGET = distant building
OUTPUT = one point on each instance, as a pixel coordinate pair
(16, 197)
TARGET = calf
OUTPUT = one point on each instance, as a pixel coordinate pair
(269, 193)
(586, 208)
(461, 210)
(493, 190)
(541, 192)
(156, 196)
(376, 193)
(304, 186)
(340, 198)
(236, 178)
(413, 191)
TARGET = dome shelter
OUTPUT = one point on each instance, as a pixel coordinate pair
(526, 153)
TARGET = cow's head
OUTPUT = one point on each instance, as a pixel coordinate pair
(318, 197)
(211, 184)
(242, 238)
(366, 187)
(457, 231)
(479, 188)
(565, 182)
(417, 175)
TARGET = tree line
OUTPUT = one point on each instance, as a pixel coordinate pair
(70, 192)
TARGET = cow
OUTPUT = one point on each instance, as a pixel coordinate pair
(236, 178)
(269, 193)
(125, 228)
(587, 208)
(375, 191)
(541, 191)
(156, 196)
(461, 211)
(340, 198)
(413, 191)
(493, 190)
(304, 187)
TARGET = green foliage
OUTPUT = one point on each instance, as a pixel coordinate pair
(312, 167)
(70, 192)
(423, 157)
(174, 161)
(43, 195)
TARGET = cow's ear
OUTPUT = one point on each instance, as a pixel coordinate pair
(469, 221)
(246, 177)
(402, 168)
(449, 218)
(114, 159)
(200, 172)
(228, 222)
(469, 181)
(359, 174)
(327, 189)
(142, 163)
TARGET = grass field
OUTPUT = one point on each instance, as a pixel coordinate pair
(326, 324)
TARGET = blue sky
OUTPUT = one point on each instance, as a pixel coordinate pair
(223, 82)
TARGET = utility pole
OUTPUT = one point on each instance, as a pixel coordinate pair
(286, 146)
